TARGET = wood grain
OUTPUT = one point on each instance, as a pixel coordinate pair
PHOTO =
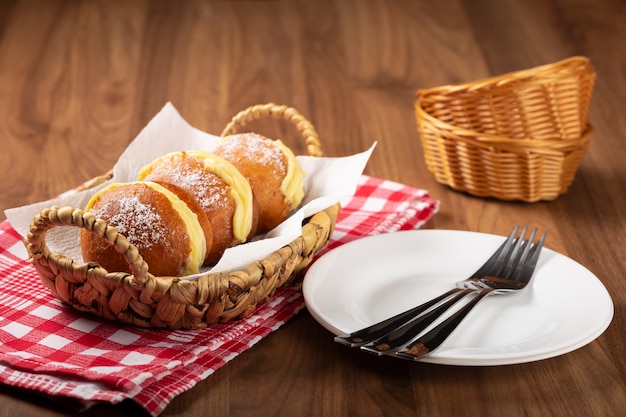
(79, 79)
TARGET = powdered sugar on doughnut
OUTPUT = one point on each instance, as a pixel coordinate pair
(138, 222)
(264, 151)
(198, 182)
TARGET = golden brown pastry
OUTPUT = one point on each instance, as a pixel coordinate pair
(170, 236)
(219, 188)
(273, 171)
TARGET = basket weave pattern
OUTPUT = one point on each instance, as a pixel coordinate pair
(144, 300)
(519, 136)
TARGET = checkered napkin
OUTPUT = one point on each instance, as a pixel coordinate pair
(51, 349)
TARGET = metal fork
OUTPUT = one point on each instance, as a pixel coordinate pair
(492, 266)
(515, 275)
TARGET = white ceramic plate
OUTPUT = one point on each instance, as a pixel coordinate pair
(368, 280)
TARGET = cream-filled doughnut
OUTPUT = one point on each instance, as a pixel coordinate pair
(273, 171)
(169, 235)
(219, 188)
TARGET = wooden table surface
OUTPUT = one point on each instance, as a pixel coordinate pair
(79, 79)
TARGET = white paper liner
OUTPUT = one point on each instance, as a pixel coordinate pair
(327, 181)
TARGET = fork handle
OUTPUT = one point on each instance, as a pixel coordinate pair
(437, 335)
(409, 331)
(378, 330)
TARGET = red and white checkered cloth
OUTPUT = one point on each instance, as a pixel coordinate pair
(46, 347)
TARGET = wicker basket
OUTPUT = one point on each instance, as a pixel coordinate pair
(519, 136)
(144, 300)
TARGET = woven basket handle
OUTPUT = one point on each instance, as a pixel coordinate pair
(259, 111)
(54, 216)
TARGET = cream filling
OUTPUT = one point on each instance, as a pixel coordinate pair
(147, 169)
(240, 191)
(197, 240)
(292, 185)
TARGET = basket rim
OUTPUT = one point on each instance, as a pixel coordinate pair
(489, 139)
(575, 65)
(77, 217)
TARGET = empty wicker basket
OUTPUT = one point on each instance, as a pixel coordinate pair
(519, 136)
